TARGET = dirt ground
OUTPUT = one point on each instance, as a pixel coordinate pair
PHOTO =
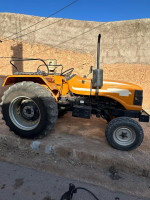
(79, 150)
(70, 130)
(93, 128)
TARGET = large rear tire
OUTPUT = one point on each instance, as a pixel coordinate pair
(124, 133)
(29, 109)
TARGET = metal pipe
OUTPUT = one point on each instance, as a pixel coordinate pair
(98, 51)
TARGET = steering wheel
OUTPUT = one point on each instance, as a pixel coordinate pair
(67, 72)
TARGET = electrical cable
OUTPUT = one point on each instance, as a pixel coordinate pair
(82, 188)
(83, 34)
(116, 27)
(72, 189)
(70, 38)
(63, 19)
(74, 37)
(9, 57)
(41, 20)
(39, 29)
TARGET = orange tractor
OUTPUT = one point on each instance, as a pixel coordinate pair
(31, 105)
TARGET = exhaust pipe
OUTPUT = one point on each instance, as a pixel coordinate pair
(98, 50)
(98, 73)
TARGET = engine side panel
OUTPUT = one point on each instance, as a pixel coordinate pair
(119, 91)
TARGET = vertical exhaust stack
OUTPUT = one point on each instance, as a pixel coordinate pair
(98, 50)
(98, 73)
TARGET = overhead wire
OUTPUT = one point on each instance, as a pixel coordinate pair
(41, 20)
(76, 37)
(53, 46)
(50, 25)
(57, 22)
(73, 37)
(87, 32)
(39, 29)
(62, 20)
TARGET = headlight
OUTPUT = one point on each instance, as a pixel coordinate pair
(138, 97)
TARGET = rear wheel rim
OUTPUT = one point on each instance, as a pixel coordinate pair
(24, 113)
(124, 136)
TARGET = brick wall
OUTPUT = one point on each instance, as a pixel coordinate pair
(125, 52)
(122, 41)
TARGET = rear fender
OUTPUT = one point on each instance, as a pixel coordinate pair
(52, 87)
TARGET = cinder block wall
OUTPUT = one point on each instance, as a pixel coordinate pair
(125, 52)
(122, 42)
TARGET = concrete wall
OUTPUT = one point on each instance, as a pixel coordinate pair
(125, 52)
(122, 42)
(68, 58)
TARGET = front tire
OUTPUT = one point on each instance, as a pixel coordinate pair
(29, 109)
(124, 133)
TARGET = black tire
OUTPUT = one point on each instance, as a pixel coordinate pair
(124, 133)
(29, 109)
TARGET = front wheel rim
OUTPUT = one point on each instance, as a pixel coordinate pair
(124, 136)
(27, 123)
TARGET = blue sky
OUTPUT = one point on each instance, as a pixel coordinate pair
(91, 10)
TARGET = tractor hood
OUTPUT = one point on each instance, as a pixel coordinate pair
(83, 86)
(122, 92)
(122, 86)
